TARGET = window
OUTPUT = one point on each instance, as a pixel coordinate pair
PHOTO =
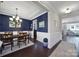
(42, 24)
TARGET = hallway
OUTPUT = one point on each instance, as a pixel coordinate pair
(64, 49)
(73, 40)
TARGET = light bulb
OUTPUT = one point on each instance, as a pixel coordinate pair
(11, 19)
(20, 20)
(17, 18)
(13, 16)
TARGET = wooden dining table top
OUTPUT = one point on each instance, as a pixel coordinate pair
(14, 36)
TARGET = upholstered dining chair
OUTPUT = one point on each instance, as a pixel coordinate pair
(7, 39)
(22, 37)
(1, 43)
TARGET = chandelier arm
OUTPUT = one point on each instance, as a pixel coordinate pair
(16, 19)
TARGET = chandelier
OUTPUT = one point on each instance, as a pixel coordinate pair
(15, 19)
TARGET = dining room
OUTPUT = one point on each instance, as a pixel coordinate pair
(28, 29)
(18, 25)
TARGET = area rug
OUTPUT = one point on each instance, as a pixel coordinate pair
(64, 49)
(8, 50)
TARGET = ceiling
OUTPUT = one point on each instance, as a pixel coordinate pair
(61, 6)
(32, 9)
(26, 9)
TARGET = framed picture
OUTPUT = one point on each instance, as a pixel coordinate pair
(12, 24)
(42, 24)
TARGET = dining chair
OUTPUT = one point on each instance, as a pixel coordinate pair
(7, 39)
(1, 43)
(22, 37)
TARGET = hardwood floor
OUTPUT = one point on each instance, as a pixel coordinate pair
(37, 50)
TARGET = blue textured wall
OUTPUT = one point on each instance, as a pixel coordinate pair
(0, 24)
(4, 24)
(44, 18)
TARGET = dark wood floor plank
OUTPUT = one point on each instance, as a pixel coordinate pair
(37, 50)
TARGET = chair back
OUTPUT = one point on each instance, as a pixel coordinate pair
(7, 37)
(22, 35)
(0, 36)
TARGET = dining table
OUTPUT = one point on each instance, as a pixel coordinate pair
(13, 37)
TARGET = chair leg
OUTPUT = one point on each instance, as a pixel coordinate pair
(12, 44)
(28, 40)
(11, 47)
(19, 44)
(25, 42)
(1, 49)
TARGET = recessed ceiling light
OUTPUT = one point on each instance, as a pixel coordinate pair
(68, 10)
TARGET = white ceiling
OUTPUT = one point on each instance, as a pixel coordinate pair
(26, 9)
(31, 9)
(61, 6)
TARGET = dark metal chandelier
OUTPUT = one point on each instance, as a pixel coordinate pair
(16, 19)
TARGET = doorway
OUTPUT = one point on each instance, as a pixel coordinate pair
(71, 34)
(35, 30)
(35, 35)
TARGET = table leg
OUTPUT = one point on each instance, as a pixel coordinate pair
(28, 40)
